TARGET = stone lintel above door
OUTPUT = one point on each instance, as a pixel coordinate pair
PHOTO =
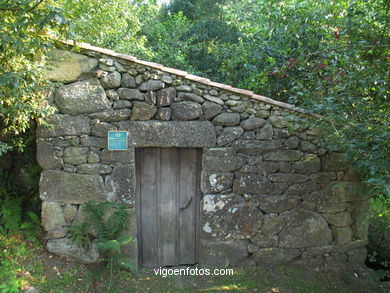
(170, 134)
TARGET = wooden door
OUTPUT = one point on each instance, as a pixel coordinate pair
(168, 205)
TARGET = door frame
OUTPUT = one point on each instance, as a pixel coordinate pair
(198, 197)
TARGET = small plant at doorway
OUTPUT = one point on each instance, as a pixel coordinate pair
(108, 221)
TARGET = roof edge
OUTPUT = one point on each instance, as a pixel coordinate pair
(186, 75)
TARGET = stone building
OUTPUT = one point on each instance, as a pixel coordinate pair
(212, 174)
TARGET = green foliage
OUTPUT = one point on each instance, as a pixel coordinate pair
(331, 58)
(9, 281)
(108, 221)
(168, 41)
(80, 235)
(379, 237)
(19, 202)
(25, 26)
(187, 35)
(10, 215)
(110, 24)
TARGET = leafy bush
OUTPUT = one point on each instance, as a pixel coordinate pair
(379, 237)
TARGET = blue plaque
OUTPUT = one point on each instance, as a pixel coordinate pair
(117, 140)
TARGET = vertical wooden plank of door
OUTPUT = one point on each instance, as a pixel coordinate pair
(197, 203)
(167, 203)
(188, 198)
(148, 206)
(138, 202)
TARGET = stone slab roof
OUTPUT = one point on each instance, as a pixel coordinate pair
(185, 75)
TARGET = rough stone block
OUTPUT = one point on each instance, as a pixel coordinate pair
(182, 87)
(170, 134)
(213, 99)
(210, 110)
(71, 188)
(357, 256)
(347, 191)
(120, 185)
(229, 217)
(143, 111)
(216, 182)
(227, 119)
(218, 253)
(339, 219)
(68, 66)
(323, 177)
(308, 147)
(75, 155)
(265, 133)
(264, 241)
(342, 235)
(229, 134)
(128, 81)
(288, 177)
(253, 123)
(93, 169)
(112, 115)
(304, 229)
(333, 207)
(284, 155)
(165, 96)
(130, 94)
(63, 125)
(311, 251)
(151, 85)
(117, 157)
(186, 110)
(310, 164)
(255, 147)
(65, 247)
(275, 255)
(47, 157)
(92, 141)
(52, 216)
(252, 183)
(222, 164)
(219, 152)
(292, 143)
(111, 80)
(360, 216)
(85, 96)
(301, 189)
(263, 114)
(272, 224)
(278, 203)
(277, 121)
(102, 128)
(56, 233)
(70, 212)
(193, 98)
(122, 104)
(163, 114)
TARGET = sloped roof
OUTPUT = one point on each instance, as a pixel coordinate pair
(185, 75)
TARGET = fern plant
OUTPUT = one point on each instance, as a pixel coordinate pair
(10, 214)
(32, 226)
(108, 221)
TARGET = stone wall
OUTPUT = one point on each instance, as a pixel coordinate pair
(270, 195)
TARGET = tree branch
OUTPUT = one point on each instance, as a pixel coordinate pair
(15, 8)
(35, 6)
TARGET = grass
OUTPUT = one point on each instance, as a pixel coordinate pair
(26, 264)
